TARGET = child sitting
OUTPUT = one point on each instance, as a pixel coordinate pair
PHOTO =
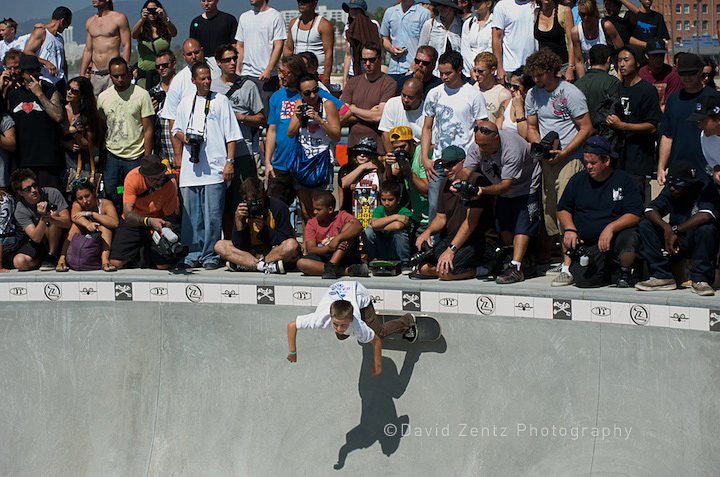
(387, 238)
(331, 241)
(363, 165)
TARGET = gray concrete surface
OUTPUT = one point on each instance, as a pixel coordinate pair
(130, 389)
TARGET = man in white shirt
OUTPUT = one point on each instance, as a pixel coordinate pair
(347, 306)
(208, 130)
(513, 40)
(404, 110)
(707, 114)
(8, 32)
(260, 36)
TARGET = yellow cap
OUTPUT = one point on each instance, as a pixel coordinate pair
(401, 133)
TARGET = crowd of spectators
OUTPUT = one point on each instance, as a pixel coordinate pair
(495, 136)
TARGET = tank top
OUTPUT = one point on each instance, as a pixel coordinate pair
(492, 101)
(586, 44)
(508, 124)
(553, 38)
(52, 50)
(313, 138)
(309, 40)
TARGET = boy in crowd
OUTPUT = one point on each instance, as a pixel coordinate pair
(387, 236)
(331, 246)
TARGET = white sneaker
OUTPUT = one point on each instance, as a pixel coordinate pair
(274, 267)
(562, 280)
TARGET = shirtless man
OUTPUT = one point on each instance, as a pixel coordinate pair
(46, 43)
(105, 32)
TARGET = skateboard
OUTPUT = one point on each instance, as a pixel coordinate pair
(428, 327)
(365, 197)
(385, 268)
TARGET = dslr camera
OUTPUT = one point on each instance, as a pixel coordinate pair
(158, 96)
(304, 117)
(195, 141)
(51, 207)
(168, 244)
(255, 208)
(422, 255)
(579, 254)
(541, 150)
(466, 190)
(401, 156)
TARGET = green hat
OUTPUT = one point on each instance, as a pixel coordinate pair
(452, 154)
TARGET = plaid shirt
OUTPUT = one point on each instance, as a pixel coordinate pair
(163, 143)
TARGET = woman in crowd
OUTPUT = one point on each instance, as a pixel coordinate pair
(514, 118)
(316, 125)
(363, 163)
(476, 34)
(589, 32)
(553, 29)
(85, 129)
(443, 31)
(709, 72)
(153, 32)
(87, 246)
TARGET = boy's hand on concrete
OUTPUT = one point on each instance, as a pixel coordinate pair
(292, 357)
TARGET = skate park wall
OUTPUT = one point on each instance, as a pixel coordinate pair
(130, 388)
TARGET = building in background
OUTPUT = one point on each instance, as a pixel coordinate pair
(693, 25)
(322, 10)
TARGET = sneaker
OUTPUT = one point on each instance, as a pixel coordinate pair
(48, 264)
(274, 267)
(510, 275)
(186, 266)
(211, 265)
(411, 334)
(358, 270)
(624, 278)
(554, 270)
(657, 284)
(562, 280)
(234, 267)
(330, 271)
(702, 289)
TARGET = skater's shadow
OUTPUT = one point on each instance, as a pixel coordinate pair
(379, 421)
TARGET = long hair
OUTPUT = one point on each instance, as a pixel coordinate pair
(146, 33)
(89, 117)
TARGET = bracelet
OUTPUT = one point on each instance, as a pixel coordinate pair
(146, 221)
(292, 352)
(519, 120)
(569, 230)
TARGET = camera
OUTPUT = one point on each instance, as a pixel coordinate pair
(195, 141)
(401, 156)
(152, 10)
(255, 208)
(304, 117)
(422, 255)
(168, 244)
(579, 254)
(541, 150)
(51, 207)
(466, 190)
(158, 96)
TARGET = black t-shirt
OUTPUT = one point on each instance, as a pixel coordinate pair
(277, 227)
(701, 198)
(640, 104)
(649, 26)
(594, 204)
(624, 28)
(213, 32)
(37, 134)
(427, 86)
(455, 213)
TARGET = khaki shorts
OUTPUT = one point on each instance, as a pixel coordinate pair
(100, 83)
(555, 179)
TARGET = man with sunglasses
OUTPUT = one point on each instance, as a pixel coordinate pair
(680, 138)
(422, 69)
(691, 231)
(165, 64)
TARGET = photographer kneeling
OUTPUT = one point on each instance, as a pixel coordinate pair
(263, 237)
(599, 213)
(461, 223)
(150, 205)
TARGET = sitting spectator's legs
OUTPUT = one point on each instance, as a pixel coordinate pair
(623, 249)
(464, 262)
(30, 255)
(130, 241)
(288, 251)
(434, 191)
(387, 246)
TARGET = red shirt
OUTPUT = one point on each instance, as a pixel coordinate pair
(322, 234)
(667, 82)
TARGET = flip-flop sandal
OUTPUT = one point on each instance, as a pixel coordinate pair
(109, 267)
(61, 267)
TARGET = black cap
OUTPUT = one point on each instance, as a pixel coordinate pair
(682, 173)
(655, 46)
(705, 106)
(366, 145)
(29, 62)
(689, 63)
(152, 166)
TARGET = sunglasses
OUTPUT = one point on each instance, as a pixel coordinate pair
(478, 71)
(229, 59)
(369, 60)
(162, 65)
(73, 91)
(484, 130)
(308, 92)
(515, 87)
(32, 186)
(418, 61)
(448, 164)
(81, 180)
(283, 71)
(675, 181)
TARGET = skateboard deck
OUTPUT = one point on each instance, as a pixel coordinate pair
(365, 197)
(385, 268)
(428, 328)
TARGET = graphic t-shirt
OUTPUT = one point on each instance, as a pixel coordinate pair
(38, 141)
(650, 25)
(667, 81)
(124, 112)
(640, 104)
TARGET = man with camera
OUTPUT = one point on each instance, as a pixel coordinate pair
(150, 208)
(42, 213)
(263, 239)
(165, 63)
(459, 221)
(10, 78)
(503, 157)
(599, 212)
(207, 127)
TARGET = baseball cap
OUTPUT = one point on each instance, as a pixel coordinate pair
(655, 46)
(452, 154)
(600, 146)
(689, 63)
(705, 106)
(29, 62)
(401, 133)
(682, 173)
(366, 145)
(361, 4)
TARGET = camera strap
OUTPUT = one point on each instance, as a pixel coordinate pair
(207, 111)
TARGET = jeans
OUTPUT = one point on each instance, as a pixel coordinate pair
(434, 191)
(116, 168)
(202, 221)
(380, 246)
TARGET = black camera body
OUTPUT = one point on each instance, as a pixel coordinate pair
(255, 208)
(304, 117)
(541, 150)
(422, 255)
(401, 156)
(195, 141)
(51, 207)
(158, 96)
(168, 244)
(152, 10)
(579, 254)
(467, 191)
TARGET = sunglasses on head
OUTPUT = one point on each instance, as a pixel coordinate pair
(418, 61)
(675, 181)
(448, 164)
(30, 187)
(80, 180)
(484, 130)
(308, 92)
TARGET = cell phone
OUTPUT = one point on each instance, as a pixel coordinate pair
(152, 10)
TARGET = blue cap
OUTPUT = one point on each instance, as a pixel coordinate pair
(600, 146)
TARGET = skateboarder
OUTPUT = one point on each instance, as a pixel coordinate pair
(347, 306)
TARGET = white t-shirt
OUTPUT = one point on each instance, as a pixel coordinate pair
(220, 128)
(517, 20)
(258, 31)
(17, 44)
(394, 115)
(711, 149)
(455, 112)
(353, 292)
(180, 87)
(475, 39)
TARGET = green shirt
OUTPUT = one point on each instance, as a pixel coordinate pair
(595, 85)
(418, 203)
(379, 213)
(147, 51)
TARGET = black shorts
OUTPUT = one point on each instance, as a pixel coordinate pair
(282, 187)
(601, 265)
(34, 250)
(466, 259)
(519, 215)
(130, 240)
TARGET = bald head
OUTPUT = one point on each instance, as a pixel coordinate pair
(412, 94)
(192, 52)
(487, 137)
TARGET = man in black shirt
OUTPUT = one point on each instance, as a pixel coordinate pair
(649, 24)
(212, 29)
(263, 239)
(637, 120)
(36, 108)
(599, 210)
(691, 231)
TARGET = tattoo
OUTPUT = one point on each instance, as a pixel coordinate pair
(133, 218)
(52, 106)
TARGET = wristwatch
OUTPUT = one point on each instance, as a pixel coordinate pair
(453, 248)
(231, 160)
